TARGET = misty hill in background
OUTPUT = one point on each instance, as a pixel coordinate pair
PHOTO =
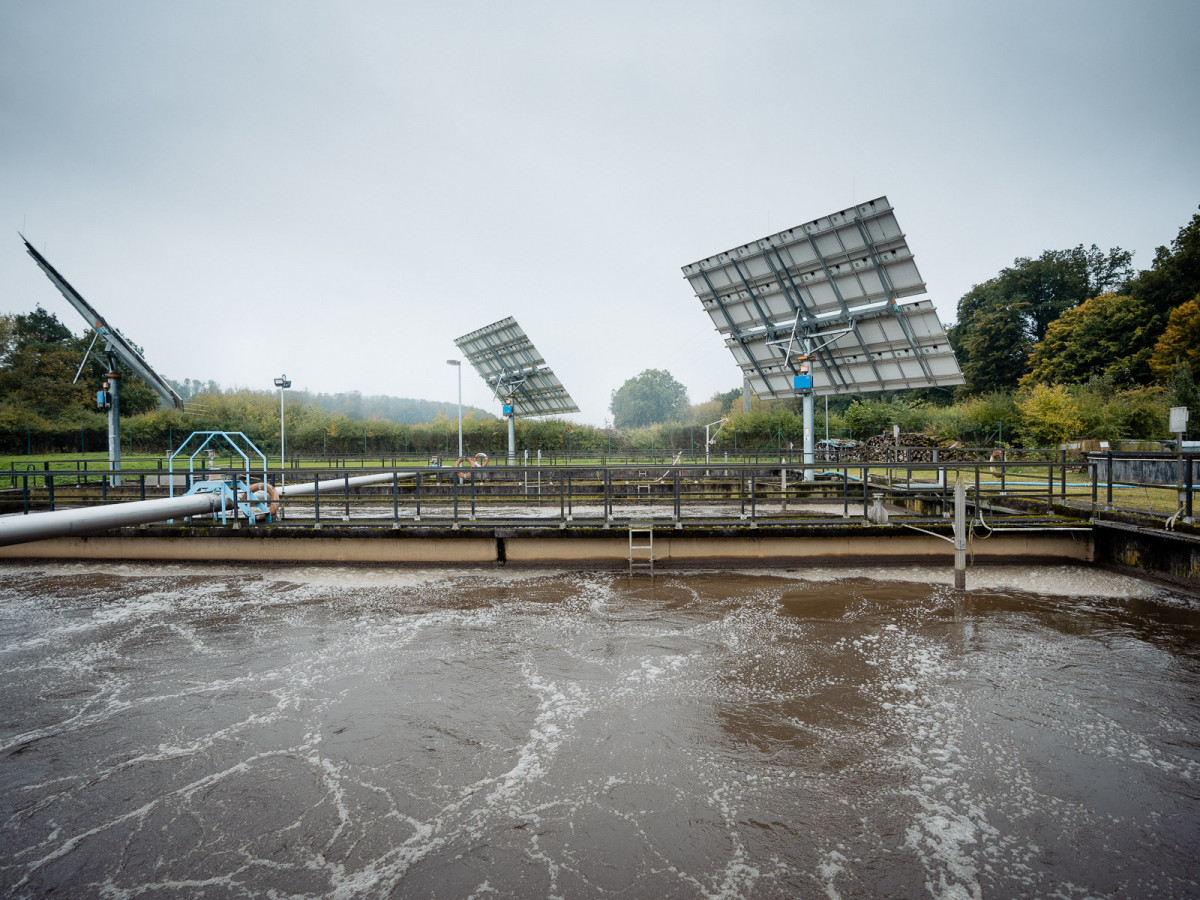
(402, 410)
(352, 405)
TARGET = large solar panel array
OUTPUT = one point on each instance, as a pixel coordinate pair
(506, 359)
(827, 290)
(114, 341)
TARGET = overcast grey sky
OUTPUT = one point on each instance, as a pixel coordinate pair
(338, 190)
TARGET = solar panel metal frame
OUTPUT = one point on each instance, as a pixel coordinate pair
(507, 361)
(115, 343)
(832, 285)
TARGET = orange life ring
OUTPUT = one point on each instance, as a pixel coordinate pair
(272, 495)
(467, 462)
(997, 456)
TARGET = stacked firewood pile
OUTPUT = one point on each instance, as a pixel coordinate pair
(917, 448)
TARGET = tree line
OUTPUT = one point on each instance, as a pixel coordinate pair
(1070, 344)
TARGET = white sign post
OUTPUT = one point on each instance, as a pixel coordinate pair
(1178, 424)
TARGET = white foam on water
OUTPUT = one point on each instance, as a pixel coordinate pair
(1063, 581)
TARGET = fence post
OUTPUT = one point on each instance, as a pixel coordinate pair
(1063, 492)
(317, 499)
(395, 497)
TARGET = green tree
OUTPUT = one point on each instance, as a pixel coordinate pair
(1105, 335)
(653, 396)
(1000, 321)
(727, 399)
(1174, 277)
(38, 366)
(993, 346)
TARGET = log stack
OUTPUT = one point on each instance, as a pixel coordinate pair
(914, 447)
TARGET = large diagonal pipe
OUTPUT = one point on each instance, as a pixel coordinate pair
(74, 522)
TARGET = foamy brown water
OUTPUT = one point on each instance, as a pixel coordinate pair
(185, 730)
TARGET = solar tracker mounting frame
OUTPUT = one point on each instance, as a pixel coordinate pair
(115, 342)
(508, 362)
(826, 294)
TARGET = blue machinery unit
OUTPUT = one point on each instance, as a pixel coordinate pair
(235, 494)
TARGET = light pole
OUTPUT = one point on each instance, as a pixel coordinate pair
(283, 384)
(458, 365)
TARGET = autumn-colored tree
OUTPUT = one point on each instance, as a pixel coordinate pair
(1180, 342)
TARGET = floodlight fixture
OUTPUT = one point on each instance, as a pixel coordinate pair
(116, 349)
(512, 367)
(816, 310)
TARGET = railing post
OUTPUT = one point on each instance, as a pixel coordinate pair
(317, 499)
(1049, 485)
(678, 524)
(1187, 487)
(960, 535)
(395, 497)
(50, 489)
(347, 494)
(1063, 493)
(1095, 467)
(1109, 479)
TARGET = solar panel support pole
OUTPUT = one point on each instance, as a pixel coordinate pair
(114, 419)
(512, 439)
(807, 404)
